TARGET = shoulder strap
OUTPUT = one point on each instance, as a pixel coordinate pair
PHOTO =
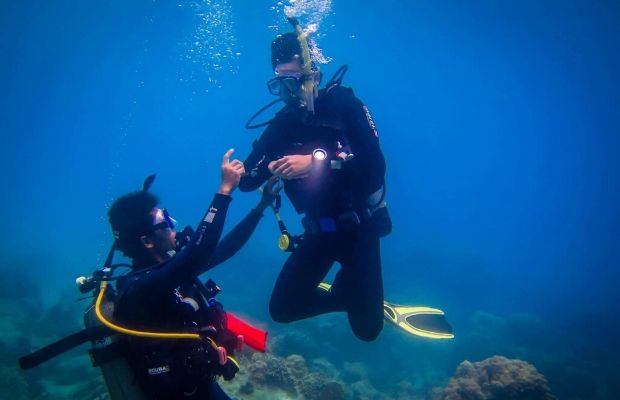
(336, 79)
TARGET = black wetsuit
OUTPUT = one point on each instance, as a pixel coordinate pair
(168, 299)
(328, 197)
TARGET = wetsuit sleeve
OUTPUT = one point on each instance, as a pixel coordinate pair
(256, 164)
(367, 167)
(191, 259)
(234, 240)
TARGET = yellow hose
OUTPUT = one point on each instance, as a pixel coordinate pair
(157, 335)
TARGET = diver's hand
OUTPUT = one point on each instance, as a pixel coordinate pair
(269, 192)
(231, 173)
(291, 167)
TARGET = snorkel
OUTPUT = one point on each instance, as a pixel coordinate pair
(307, 86)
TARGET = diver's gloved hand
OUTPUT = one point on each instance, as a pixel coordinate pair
(270, 191)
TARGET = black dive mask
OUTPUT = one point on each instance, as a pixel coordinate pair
(287, 87)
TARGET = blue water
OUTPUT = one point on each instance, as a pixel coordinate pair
(499, 121)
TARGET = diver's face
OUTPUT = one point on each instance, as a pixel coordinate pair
(290, 75)
(164, 236)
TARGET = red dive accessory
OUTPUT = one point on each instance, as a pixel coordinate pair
(252, 336)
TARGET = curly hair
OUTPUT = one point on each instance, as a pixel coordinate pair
(130, 218)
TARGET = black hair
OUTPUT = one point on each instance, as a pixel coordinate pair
(285, 48)
(130, 218)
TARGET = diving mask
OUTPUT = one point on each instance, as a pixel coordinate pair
(280, 84)
(163, 220)
(287, 87)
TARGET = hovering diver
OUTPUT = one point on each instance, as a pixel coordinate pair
(324, 146)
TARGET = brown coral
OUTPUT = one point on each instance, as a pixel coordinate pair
(318, 386)
(296, 364)
(268, 370)
(497, 378)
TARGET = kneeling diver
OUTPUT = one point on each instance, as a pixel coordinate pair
(174, 338)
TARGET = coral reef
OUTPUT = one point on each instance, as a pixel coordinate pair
(268, 370)
(318, 386)
(497, 378)
(296, 364)
(312, 360)
(266, 376)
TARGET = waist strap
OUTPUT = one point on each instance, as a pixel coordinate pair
(347, 221)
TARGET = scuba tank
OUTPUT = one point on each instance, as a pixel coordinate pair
(106, 352)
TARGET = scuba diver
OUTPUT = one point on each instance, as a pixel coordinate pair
(324, 146)
(169, 297)
(160, 326)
